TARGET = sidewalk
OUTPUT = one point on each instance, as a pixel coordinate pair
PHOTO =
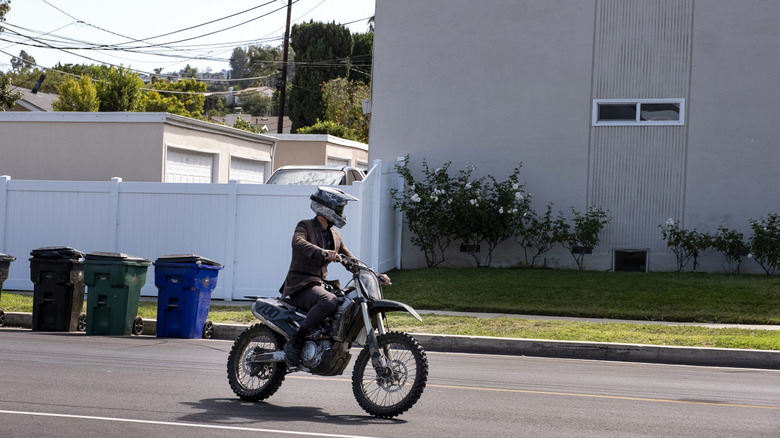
(625, 321)
(699, 356)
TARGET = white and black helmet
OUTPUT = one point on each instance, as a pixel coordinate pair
(330, 202)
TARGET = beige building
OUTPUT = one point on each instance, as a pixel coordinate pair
(155, 147)
(651, 109)
(152, 147)
(318, 149)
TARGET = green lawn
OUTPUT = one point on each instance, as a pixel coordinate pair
(687, 297)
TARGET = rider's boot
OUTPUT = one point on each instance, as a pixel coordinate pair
(292, 351)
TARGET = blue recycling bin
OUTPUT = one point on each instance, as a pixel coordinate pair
(184, 283)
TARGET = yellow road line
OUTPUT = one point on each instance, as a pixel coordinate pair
(611, 397)
(572, 394)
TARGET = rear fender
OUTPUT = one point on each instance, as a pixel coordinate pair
(278, 318)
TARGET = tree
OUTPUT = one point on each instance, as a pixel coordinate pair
(238, 63)
(262, 61)
(120, 90)
(23, 62)
(184, 97)
(321, 50)
(189, 72)
(256, 104)
(331, 128)
(28, 78)
(7, 97)
(5, 5)
(343, 102)
(78, 95)
(361, 58)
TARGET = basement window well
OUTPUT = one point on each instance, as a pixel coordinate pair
(630, 260)
(638, 112)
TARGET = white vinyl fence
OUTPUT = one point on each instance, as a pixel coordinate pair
(246, 227)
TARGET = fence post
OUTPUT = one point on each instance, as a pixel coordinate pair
(113, 214)
(228, 272)
(376, 215)
(399, 217)
(4, 205)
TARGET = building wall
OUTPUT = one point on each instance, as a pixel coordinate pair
(514, 81)
(315, 149)
(99, 146)
(66, 146)
(223, 145)
(641, 50)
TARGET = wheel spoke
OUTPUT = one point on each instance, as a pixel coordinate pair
(390, 392)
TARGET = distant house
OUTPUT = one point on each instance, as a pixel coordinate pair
(154, 147)
(318, 149)
(651, 109)
(33, 101)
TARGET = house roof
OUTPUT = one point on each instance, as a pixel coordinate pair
(317, 137)
(132, 117)
(33, 101)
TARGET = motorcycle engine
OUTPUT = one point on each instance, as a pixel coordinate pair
(311, 355)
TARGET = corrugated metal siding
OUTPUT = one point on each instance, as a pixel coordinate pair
(642, 49)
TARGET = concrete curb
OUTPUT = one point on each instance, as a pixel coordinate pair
(766, 359)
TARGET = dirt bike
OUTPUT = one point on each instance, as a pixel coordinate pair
(390, 372)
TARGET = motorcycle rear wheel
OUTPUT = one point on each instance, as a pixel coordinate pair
(255, 382)
(386, 395)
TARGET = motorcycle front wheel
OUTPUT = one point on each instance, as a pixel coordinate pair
(255, 381)
(396, 388)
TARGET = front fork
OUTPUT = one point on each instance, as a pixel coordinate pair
(381, 363)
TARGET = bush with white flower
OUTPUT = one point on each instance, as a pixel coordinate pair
(764, 243)
(486, 211)
(533, 231)
(731, 244)
(426, 207)
(684, 244)
(582, 234)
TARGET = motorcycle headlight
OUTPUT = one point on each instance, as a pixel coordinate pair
(371, 285)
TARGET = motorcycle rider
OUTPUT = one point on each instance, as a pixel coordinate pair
(315, 244)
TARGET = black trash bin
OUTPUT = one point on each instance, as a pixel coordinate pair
(57, 273)
(5, 266)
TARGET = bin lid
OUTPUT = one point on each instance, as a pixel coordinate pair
(187, 258)
(6, 257)
(57, 252)
(115, 257)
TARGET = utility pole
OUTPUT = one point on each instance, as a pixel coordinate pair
(282, 92)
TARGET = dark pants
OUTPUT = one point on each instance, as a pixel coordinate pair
(319, 302)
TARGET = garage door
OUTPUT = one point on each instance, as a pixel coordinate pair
(188, 166)
(247, 171)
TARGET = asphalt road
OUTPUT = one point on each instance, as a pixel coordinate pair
(73, 385)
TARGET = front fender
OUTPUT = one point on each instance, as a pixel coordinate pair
(384, 306)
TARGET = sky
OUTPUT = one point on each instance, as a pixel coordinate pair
(169, 34)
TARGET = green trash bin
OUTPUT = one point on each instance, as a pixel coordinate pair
(114, 282)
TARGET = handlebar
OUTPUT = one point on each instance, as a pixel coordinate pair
(354, 266)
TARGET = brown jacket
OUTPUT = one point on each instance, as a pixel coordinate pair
(307, 266)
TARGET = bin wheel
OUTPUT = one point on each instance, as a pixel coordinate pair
(138, 326)
(82, 324)
(208, 330)
(2, 318)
